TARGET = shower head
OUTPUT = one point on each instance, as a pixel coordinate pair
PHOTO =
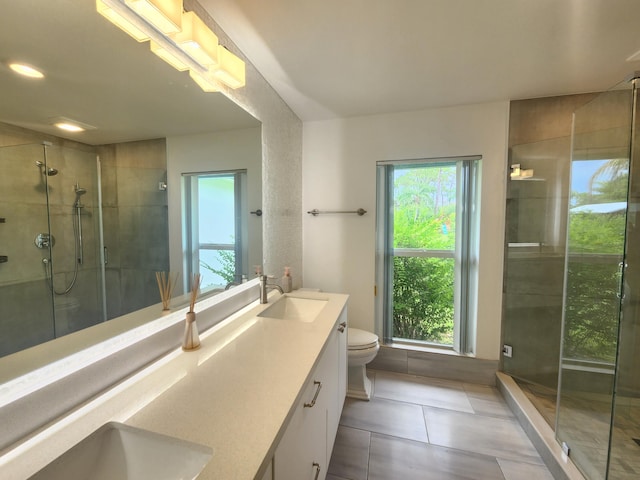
(80, 191)
(47, 171)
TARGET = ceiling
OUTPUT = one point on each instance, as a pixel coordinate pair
(343, 58)
(98, 75)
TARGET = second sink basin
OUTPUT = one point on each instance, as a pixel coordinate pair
(120, 452)
(294, 308)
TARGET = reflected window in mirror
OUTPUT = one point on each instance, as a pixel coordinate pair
(216, 227)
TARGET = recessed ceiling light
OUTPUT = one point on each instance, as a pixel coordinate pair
(26, 70)
(69, 125)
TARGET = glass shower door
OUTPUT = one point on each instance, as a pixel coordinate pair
(624, 462)
(593, 278)
(26, 298)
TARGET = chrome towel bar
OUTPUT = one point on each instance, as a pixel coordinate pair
(315, 212)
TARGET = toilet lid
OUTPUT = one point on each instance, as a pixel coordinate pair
(360, 339)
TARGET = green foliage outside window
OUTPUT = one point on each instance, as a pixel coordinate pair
(227, 268)
(596, 245)
(424, 218)
(423, 299)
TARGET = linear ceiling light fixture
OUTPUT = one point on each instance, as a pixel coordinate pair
(191, 46)
(165, 15)
(121, 21)
(197, 40)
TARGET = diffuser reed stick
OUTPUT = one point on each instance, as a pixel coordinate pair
(166, 285)
(195, 287)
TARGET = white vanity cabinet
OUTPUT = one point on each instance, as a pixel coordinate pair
(339, 337)
(305, 449)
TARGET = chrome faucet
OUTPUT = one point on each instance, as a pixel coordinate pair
(265, 287)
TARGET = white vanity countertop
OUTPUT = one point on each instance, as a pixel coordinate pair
(234, 394)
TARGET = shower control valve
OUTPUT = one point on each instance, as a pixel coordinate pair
(44, 240)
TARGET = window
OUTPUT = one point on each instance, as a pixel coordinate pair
(427, 251)
(215, 226)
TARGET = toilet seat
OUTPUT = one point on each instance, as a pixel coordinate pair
(361, 340)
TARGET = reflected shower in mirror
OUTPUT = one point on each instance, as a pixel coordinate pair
(88, 227)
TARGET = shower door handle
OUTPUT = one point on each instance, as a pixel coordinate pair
(620, 294)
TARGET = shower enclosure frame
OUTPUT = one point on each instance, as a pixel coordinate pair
(587, 408)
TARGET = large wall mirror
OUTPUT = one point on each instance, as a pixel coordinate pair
(86, 219)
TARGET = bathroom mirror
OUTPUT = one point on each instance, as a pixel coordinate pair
(147, 124)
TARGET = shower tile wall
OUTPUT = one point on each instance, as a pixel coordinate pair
(135, 222)
(539, 138)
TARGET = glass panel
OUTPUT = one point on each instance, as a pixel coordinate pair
(25, 295)
(595, 250)
(217, 267)
(423, 299)
(424, 231)
(624, 460)
(424, 214)
(75, 255)
(534, 270)
(217, 225)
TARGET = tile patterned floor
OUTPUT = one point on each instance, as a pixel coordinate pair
(590, 415)
(419, 428)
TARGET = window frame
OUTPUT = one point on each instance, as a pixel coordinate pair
(465, 253)
(191, 228)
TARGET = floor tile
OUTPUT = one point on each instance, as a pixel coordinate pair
(385, 416)
(350, 457)
(499, 437)
(519, 470)
(487, 400)
(396, 458)
(422, 390)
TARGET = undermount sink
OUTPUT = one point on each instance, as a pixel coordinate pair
(302, 309)
(120, 452)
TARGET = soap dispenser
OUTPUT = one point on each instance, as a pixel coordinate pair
(286, 280)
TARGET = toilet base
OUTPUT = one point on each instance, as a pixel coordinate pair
(359, 385)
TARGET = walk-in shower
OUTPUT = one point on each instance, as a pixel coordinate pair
(572, 281)
(83, 229)
(52, 283)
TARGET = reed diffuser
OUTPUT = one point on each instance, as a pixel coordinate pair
(166, 285)
(191, 340)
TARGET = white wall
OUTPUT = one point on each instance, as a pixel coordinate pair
(234, 149)
(339, 173)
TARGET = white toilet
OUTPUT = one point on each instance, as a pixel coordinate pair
(362, 348)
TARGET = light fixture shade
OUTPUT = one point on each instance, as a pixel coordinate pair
(231, 69)
(197, 40)
(165, 15)
(206, 84)
(168, 57)
(121, 22)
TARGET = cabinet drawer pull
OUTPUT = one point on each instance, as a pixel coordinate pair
(316, 465)
(315, 397)
(342, 326)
